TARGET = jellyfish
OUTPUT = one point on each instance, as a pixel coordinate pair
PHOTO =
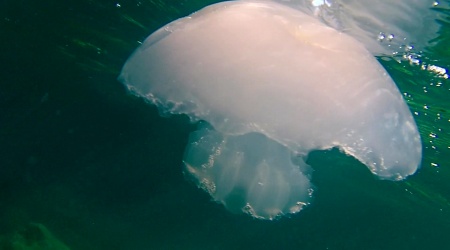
(267, 84)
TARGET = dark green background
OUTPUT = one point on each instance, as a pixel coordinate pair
(102, 170)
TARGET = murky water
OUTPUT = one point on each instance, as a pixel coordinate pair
(94, 167)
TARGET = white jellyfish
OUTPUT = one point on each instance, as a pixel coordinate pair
(271, 84)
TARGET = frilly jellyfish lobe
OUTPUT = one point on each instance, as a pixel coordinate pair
(247, 173)
(273, 83)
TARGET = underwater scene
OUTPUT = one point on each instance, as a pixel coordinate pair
(202, 124)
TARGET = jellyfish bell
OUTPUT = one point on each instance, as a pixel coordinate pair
(271, 82)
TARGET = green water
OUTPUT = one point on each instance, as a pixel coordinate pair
(100, 169)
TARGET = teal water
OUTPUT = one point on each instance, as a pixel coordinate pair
(100, 169)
